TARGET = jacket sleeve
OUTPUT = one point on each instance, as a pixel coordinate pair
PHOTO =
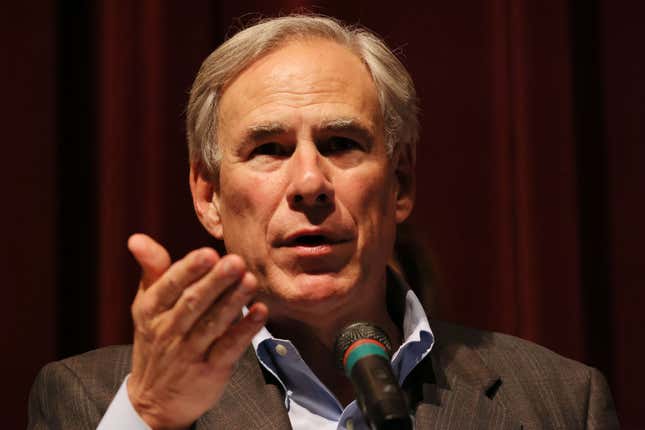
(601, 413)
(58, 400)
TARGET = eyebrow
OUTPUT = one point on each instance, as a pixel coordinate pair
(348, 125)
(264, 131)
(267, 130)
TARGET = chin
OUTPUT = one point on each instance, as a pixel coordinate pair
(317, 287)
(308, 293)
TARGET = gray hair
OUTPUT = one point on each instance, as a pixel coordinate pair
(396, 94)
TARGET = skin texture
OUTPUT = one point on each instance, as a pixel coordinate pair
(301, 174)
(186, 340)
(302, 139)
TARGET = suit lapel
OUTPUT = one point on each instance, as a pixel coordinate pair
(451, 390)
(456, 390)
(248, 402)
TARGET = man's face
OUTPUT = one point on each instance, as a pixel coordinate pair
(307, 194)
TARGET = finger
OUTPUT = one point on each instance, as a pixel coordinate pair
(198, 298)
(182, 274)
(228, 349)
(219, 317)
(151, 256)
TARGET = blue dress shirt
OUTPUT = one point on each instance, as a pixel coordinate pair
(308, 401)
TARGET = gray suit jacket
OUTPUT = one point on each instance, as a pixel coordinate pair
(471, 380)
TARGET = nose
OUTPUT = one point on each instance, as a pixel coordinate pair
(310, 185)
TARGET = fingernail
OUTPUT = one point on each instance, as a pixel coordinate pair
(246, 288)
(204, 260)
(227, 268)
(256, 316)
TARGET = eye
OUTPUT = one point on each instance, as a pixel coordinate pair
(339, 144)
(272, 149)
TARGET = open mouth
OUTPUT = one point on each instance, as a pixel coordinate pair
(310, 240)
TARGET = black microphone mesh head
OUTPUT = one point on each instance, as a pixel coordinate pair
(357, 331)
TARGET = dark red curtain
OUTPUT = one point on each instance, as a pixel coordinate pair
(28, 216)
(530, 168)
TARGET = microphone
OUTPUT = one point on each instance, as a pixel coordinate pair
(363, 351)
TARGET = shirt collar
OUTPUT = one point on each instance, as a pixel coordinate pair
(417, 334)
(418, 338)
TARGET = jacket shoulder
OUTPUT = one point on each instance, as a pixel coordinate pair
(76, 391)
(107, 366)
(505, 353)
(540, 385)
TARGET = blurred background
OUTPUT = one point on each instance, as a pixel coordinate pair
(531, 167)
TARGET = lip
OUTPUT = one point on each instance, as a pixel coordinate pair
(331, 238)
(317, 256)
(313, 251)
(318, 253)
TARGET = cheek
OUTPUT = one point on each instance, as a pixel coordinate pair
(372, 203)
(378, 195)
(244, 209)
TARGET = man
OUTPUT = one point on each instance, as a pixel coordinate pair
(301, 135)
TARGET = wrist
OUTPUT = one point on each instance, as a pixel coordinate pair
(151, 413)
(155, 419)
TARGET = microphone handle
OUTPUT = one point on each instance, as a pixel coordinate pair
(379, 396)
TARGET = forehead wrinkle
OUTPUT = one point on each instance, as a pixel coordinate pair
(300, 97)
(279, 84)
(307, 83)
(265, 101)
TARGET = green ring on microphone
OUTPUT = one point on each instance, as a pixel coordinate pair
(362, 351)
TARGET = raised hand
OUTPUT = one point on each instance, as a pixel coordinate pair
(188, 333)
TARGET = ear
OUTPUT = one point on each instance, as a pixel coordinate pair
(205, 192)
(404, 171)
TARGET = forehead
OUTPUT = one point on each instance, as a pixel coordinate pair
(302, 77)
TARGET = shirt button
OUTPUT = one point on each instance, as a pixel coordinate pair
(349, 424)
(281, 349)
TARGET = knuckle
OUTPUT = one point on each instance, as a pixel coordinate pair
(191, 349)
(171, 282)
(139, 312)
(146, 310)
(135, 306)
(208, 326)
(144, 333)
(134, 311)
(163, 333)
(191, 300)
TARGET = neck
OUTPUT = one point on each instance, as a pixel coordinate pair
(315, 340)
(321, 335)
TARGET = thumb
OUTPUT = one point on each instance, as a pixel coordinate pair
(151, 256)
